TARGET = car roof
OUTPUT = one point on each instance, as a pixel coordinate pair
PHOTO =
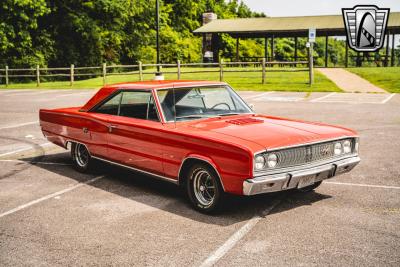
(107, 90)
(161, 84)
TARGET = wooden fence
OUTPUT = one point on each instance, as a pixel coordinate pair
(140, 69)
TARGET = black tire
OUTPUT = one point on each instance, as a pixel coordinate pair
(310, 187)
(204, 188)
(81, 157)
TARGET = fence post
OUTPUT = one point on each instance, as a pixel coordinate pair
(37, 76)
(72, 75)
(263, 71)
(140, 71)
(104, 73)
(179, 69)
(6, 76)
(221, 70)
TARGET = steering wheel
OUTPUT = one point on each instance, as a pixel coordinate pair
(219, 104)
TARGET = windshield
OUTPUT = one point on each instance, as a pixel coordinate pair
(200, 102)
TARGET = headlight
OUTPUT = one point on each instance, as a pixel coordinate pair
(338, 148)
(272, 160)
(346, 147)
(259, 162)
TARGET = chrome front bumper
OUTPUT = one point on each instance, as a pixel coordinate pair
(291, 179)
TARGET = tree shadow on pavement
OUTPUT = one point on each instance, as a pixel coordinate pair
(169, 197)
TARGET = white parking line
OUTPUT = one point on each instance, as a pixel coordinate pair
(32, 93)
(24, 206)
(259, 95)
(18, 91)
(19, 125)
(236, 237)
(280, 98)
(7, 91)
(24, 149)
(35, 162)
(388, 98)
(74, 94)
(322, 97)
(348, 102)
(366, 185)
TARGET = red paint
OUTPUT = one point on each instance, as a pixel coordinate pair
(228, 143)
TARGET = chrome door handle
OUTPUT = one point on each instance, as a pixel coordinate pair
(111, 127)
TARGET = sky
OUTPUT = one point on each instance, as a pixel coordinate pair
(280, 8)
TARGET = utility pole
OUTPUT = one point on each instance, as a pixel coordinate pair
(311, 63)
(158, 74)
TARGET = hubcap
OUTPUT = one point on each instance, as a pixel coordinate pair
(204, 187)
(81, 155)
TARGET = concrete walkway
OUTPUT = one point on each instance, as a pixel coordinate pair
(350, 82)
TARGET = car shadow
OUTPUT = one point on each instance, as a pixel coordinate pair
(169, 197)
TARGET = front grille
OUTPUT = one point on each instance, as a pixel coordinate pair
(306, 154)
(291, 157)
(322, 151)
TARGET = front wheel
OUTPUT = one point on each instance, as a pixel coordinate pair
(204, 188)
(81, 157)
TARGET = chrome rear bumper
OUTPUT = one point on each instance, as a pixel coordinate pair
(289, 180)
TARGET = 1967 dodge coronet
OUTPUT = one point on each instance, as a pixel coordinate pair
(202, 136)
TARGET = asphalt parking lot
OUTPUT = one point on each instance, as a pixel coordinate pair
(52, 215)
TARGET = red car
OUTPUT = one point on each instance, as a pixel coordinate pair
(200, 135)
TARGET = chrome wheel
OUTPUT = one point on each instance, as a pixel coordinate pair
(82, 156)
(203, 187)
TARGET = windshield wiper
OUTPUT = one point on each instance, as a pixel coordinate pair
(228, 114)
(194, 116)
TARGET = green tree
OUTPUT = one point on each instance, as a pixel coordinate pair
(90, 32)
(87, 32)
(22, 42)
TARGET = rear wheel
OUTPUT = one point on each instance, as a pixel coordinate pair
(204, 188)
(310, 187)
(81, 157)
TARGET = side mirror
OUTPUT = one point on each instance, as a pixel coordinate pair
(251, 107)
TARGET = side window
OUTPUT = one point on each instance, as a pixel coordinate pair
(111, 106)
(133, 104)
(138, 105)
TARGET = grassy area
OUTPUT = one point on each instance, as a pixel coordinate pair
(281, 80)
(386, 78)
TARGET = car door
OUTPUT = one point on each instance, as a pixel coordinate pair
(97, 125)
(134, 137)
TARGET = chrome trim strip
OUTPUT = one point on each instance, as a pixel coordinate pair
(312, 143)
(200, 159)
(191, 86)
(139, 170)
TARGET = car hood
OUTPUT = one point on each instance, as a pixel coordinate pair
(271, 132)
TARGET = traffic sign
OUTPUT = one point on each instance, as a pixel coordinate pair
(312, 34)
